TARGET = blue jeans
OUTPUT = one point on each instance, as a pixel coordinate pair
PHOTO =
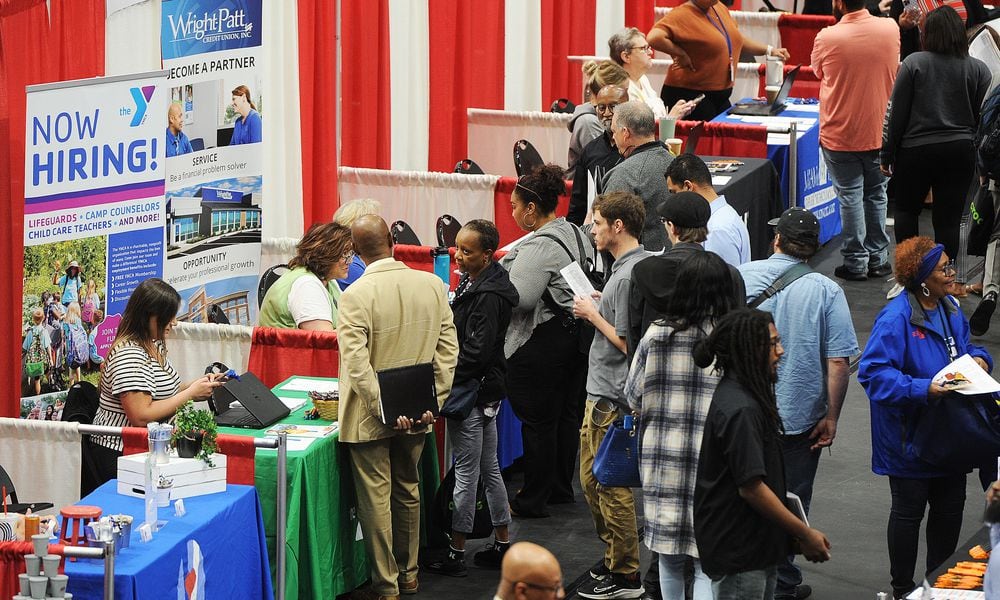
(748, 585)
(860, 186)
(672, 567)
(800, 472)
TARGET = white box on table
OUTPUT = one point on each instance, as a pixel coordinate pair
(191, 476)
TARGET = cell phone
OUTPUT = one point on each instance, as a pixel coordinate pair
(698, 98)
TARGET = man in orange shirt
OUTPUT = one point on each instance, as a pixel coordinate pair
(856, 61)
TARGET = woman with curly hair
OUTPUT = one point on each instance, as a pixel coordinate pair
(306, 297)
(917, 334)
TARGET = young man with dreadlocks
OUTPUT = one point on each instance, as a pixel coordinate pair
(742, 526)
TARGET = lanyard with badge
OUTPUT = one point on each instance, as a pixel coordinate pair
(721, 27)
(949, 338)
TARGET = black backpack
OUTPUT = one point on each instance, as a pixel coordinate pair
(82, 401)
(987, 138)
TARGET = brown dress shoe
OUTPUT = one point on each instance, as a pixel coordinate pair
(408, 587)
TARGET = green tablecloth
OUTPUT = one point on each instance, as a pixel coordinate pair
(325, 555)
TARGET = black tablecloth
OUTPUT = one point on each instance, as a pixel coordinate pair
(754, 191)
(980, 538)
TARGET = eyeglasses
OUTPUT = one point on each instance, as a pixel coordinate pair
(948, 268)
(552, 589)
(645, 48)
(606, 107)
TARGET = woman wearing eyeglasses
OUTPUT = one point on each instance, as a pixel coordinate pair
(306, 297)
(706, 46)
(629, 49)
(917, 334)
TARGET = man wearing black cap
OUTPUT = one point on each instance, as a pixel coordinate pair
(685, 218)
(814, 321)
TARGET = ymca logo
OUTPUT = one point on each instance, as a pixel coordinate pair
(141, 97)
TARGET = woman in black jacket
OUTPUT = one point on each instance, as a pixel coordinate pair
(483, 303)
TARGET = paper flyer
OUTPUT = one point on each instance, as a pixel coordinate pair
(965, 376)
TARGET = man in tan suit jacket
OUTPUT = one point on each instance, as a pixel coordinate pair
(392, 316)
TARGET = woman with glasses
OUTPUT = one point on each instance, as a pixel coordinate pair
(929, 127)
(916, 335)
(706, 46)
(629, 49)
(306, 297)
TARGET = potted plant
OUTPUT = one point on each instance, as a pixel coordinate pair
(194, 433)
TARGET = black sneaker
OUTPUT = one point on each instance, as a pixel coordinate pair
(491, 556)
(615, 586)
(599, 572)
(844, 273)
(979, 322)
(452, 565)
(883, 270)
(801, 592)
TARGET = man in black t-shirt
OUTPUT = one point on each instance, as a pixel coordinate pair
(741, 523)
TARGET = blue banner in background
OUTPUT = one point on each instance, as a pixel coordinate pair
(191, 27)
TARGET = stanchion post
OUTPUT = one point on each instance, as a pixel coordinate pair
(793, 164)
(109, 570)
(282, 512)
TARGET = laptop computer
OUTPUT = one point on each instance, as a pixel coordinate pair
(258, 408)
(758, 109)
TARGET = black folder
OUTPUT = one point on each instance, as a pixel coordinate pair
(407, 392)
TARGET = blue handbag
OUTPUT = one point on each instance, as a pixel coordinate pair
(617, 461)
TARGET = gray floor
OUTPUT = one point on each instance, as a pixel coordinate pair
(850, 503)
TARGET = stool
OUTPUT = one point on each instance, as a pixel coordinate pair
(74, 519)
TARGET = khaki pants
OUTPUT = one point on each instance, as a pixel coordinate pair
(386, 484)
(613, 508)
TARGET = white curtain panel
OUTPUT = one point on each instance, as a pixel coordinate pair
(276, 251)
(522, 63)
(610, 20)
(419, 198)
(492, 134)
(409, 83)
(193, 346)
(43, 460)
(132, 40)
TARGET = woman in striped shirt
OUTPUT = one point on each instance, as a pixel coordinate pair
(138, 383)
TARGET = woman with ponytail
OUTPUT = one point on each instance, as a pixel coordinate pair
(742, 526)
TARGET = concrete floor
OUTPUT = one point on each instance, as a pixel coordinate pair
(850, 503)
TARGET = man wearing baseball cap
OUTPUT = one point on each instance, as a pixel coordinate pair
(814, 321)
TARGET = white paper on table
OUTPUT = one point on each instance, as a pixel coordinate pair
(297, 444)
(293, 404)
(302, 384)
(577, 281)
(980, 381)
(800, 122)
(591, 194)
(720, 179)
(514, 244)
(939, 594)
(810, 108)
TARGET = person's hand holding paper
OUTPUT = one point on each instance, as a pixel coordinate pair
(966, 375)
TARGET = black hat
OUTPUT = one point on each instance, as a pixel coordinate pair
(797, 224)
(685, 209)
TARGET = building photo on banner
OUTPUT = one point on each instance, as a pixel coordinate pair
(93, 224)
(214, 169)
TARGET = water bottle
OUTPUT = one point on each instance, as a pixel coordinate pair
(442, 265)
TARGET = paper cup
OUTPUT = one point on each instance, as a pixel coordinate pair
(22, 580)
(41, 543)
(667, 127)
(57, 585)
(38, 585)
(34, 564)
(771, 92)
(50, 563)
(674, 144)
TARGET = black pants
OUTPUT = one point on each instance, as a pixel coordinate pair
(100, 465)
(546, 379)
(946, 169)
(946, 497)
(714, 104)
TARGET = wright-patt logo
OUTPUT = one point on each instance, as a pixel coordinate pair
(141, 97)
(222, 25)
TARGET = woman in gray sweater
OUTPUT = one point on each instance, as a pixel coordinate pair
(546, 370)
(929, 127)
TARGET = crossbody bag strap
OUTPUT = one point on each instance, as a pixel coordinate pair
(547, 298)
(794, 272)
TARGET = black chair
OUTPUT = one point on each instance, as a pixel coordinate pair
(404, 234)
(526, 158)
(447, 230)
(217, 315)
(467, 166)
(82, 401)
(267, 280)
(562, 105)
(14, 505)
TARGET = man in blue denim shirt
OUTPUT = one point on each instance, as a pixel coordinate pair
(814, 321)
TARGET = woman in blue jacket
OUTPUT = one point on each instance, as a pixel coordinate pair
(917, 334)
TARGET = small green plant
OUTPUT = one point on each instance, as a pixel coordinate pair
(191, 421)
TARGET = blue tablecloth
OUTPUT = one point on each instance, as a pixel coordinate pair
(509, 446)
(226, 527)
(814, 190)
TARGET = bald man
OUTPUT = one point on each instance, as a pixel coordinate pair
(177, 142)
(392, 316)
(529, 572)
